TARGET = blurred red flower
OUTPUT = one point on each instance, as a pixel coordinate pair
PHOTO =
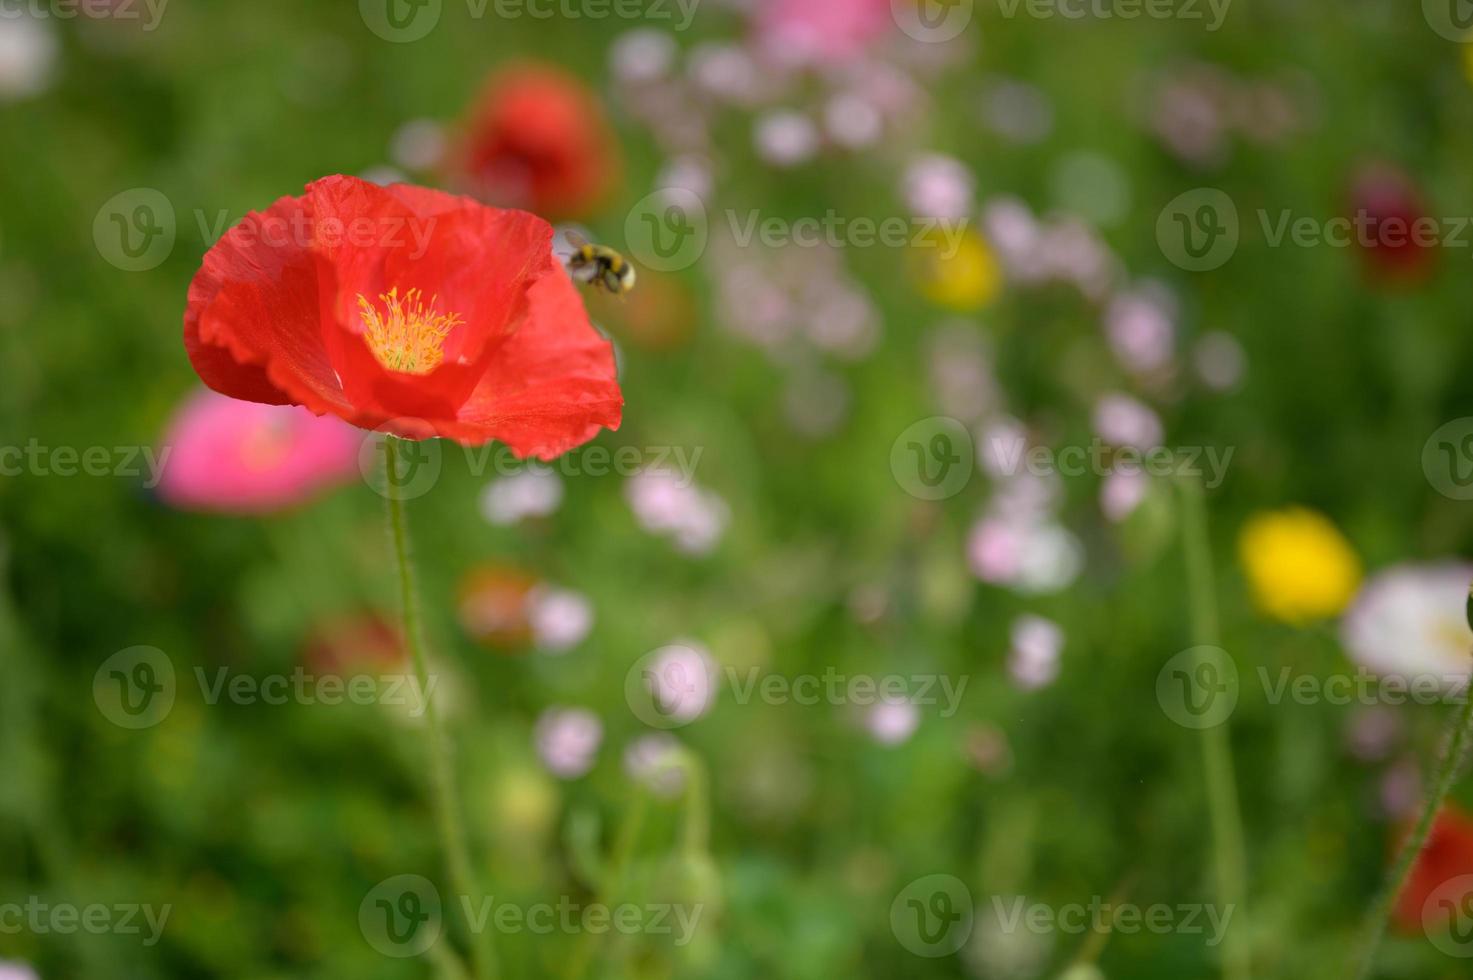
(1397, 237)
(538, 139)
(1448, 855)
(404, 309)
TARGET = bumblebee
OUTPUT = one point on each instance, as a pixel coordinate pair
(599, 265)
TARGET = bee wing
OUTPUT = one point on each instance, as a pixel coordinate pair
(574, 238)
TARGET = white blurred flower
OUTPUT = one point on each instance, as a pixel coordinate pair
(1122, 492)
(687, 172)
(533, 492)
(560, 618)
(786, 138)
(1219, 360)
(852, 120)
(642, 55)
(682, 681)
(664, 504)
(28, 51)
(1122, 420)
(891, 721)
(937, 186)
(1033, 661)
(418, 145)
(1409, 622)
(1029, 556)
(726, 71)
(1139, 326)
(655, 761)
(567, 740)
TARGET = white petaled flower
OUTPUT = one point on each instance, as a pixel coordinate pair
(1409, 622)
(681, 679)
(892, 721)
(1219, 360)
(419, 144)
(1029, 555)
(655, 761)
(1037, 644)
(567, 740)
(28, 51)
(533, 492)
(560, 618)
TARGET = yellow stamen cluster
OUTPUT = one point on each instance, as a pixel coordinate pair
(408, 335)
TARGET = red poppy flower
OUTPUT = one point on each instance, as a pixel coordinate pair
(538, 139)
(403, 309)
(1397, 238)
(1447, 856)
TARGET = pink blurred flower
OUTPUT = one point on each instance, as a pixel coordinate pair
(891, 721)
(247, 458)
(560, 618)
(682, 681)
(786, 138)
(807, 32)
(1124, 421)
(664, 503)
(1140, 327)
(1037, 643)
(655, 760)
(567, 740)
(938, 186)
(1122, 492)
(533, 492)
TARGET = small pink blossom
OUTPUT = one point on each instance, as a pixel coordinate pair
(240, 457)
(1124, 421)
(567, 740)
(819, 32)
(655, 760)
(560, 618)
(891, 721)
(786, 138)
(1122, 492)
(1140, 327)
(1037, 643)
(533, 492)
(937, 186)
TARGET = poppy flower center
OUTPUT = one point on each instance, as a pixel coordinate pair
(404, 333)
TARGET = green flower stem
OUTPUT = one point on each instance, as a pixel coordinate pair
(446, 799)
(1442, 781)
(1217, 748)
(612, 885)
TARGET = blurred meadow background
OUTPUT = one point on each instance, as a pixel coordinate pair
(823, 472)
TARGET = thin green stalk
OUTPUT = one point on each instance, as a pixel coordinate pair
(446, 799)
(1217, 748)
(1442, 781)
(612, 885)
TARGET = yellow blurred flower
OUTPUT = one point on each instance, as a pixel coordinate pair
(959, 272)
(1299, 565)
